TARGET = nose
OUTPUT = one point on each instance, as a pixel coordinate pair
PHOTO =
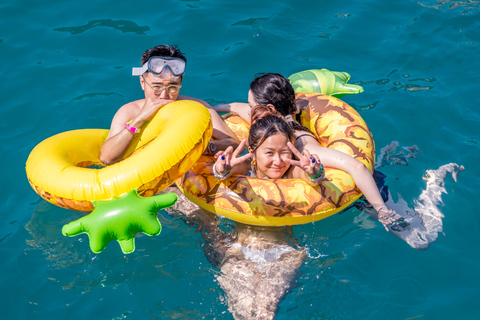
(277, 160)
(164, 94)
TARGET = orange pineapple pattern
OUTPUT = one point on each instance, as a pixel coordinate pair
(288, 201)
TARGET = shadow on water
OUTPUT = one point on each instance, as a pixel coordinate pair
(72, 265)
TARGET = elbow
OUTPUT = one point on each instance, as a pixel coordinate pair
(358, 166)
(105, 159)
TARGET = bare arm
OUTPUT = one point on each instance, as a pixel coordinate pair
(222, 135)
(240, 108)
(119, 139)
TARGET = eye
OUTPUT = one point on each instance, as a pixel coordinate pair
(173, 89)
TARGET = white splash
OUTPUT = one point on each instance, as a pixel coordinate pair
(426, 218)
(264, 255)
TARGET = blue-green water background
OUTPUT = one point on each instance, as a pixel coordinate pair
(67, 65)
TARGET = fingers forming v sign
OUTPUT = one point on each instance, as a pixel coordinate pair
(309, 163)
(228, 159)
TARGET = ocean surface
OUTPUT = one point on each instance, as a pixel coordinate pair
(67, 65)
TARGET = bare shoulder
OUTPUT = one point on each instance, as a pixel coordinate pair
(126, 113)
(130, 109)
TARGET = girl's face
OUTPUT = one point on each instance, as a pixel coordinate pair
(269, 157)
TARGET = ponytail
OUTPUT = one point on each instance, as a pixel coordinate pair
(260, 112)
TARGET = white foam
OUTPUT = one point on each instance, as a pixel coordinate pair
(264, 255)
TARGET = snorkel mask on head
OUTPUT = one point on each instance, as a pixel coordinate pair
(156, 65)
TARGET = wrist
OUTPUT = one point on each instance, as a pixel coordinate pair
(211, 148)
(133, 130)
(319, 176)
(220, 175)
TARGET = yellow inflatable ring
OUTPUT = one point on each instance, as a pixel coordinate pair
(166, 147)
(283, 202)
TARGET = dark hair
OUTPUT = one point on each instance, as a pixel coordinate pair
(275, 89)
(163, 50)
(266, 121)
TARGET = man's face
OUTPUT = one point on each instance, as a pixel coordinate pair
(162, 86)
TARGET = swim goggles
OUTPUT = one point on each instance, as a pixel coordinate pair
(156, 65)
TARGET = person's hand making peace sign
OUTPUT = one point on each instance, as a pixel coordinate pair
(310, 163)
(228, 159)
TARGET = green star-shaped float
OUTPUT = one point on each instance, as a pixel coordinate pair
(121, 219)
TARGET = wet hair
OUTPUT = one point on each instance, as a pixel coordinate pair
(266, 122)
(163, 50)
(275, 89)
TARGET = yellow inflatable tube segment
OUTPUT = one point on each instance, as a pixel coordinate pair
(165, 149)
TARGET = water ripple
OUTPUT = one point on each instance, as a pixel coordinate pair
(125, 26)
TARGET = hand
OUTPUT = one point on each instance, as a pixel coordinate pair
(391, 220)
(309, 163)
(151, 107)
(228, 159)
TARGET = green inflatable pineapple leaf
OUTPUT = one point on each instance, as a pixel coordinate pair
(324, 81)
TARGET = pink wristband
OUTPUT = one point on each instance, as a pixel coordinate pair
(132, 129)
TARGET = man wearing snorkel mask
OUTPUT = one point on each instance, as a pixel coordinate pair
(161, 78)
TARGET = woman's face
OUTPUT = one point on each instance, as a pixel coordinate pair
(269, 157)
(251, 100)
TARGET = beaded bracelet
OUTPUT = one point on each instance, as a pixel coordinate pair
(320, 175)
(218, 175)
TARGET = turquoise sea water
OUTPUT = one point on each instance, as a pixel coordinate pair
(67, 65)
